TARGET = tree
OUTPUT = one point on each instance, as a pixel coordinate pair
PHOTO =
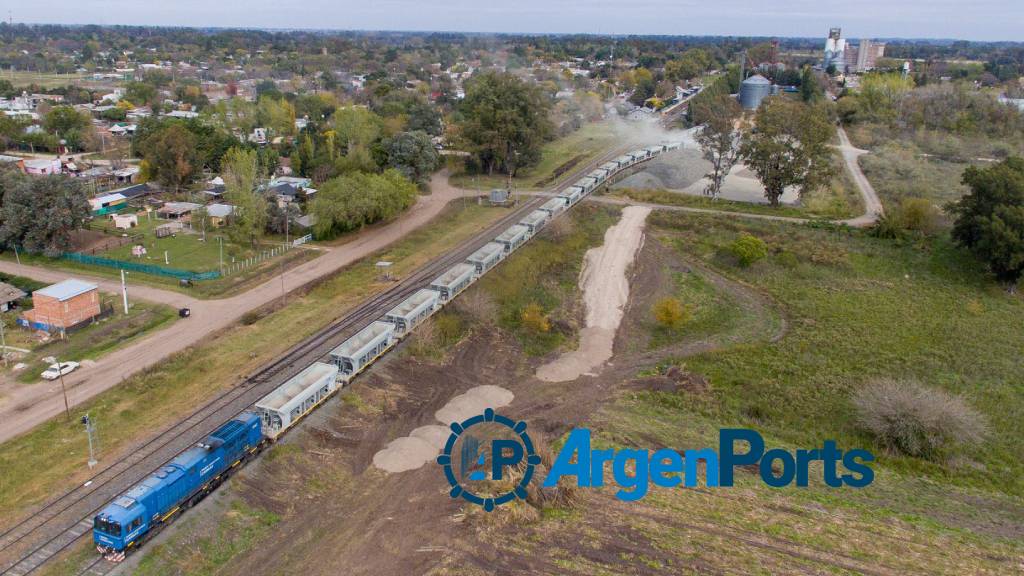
(990, 218)
(278, 218)
(789, 146)
(809, 89)
(504, 122)
(412, 154)
(354, 200)
(172, 156)
(39, 213)
(719, 139)
(249, 219)
(69, 124)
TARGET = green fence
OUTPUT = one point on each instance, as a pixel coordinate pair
(140, 267)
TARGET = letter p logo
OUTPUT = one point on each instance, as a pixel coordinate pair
(504, 453)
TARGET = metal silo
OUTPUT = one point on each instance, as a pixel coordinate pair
(753, 90)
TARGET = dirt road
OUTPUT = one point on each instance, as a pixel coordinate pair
(872, 205)
(22, 407)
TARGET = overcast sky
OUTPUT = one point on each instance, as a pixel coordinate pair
(964, 19)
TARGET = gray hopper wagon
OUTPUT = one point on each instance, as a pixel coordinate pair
(413, 310)
(282, 408)
(454, 281)
(535, 221)
(513, 237)
(555, 206)
(486, 257)
(361, 350)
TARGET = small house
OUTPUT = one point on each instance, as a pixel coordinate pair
(42, 166)
(176, 210)
(107, 204)
(62, 306)
(219, 214)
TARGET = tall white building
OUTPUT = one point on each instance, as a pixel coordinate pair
(835, 50)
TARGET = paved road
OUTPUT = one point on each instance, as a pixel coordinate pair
(24, 406)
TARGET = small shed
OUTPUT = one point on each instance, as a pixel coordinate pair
(363, 348)
(486, 257)
(535, 220)
(513, 237)
(454, 281)
(125, 221)
(412, 311)
(107, 204)
(219, 213)
(296, 397)
(499, 196)
(9, 295)
(169, 229)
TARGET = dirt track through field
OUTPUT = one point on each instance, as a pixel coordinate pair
(605, 288)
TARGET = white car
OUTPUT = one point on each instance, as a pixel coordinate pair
(57, 370)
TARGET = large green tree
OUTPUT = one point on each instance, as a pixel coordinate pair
(172, 156)
(354, 200)
(789, 146)
(240, 171)
(504, 122)
(990, 219)
(412, 154)
(39, 213)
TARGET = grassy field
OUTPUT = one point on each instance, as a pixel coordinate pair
(559, 158)
(861, 308)
(52, 457)
(924, 164)
(46, 80)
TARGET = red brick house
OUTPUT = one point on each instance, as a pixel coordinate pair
(63, 305)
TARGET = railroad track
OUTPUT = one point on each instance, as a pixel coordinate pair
(61, 522)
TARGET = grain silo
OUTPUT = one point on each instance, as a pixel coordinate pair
(753, 90)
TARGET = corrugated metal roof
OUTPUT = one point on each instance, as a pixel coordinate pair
(10, 293)
(67, 289)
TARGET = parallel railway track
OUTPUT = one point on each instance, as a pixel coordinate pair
(62, 521)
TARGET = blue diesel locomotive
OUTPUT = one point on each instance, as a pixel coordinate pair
(132, 517)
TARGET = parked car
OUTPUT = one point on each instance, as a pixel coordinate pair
(57, 370)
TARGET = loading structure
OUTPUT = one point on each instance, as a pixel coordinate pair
(413, 310)
(282, 408)
(513, 237)
(454, 281)
(359, 351)
(486, 257)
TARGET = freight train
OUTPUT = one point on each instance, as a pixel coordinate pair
(140, 512)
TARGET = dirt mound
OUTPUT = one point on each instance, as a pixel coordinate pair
(674, 379)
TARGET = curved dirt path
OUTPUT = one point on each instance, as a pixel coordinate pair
(24, 406)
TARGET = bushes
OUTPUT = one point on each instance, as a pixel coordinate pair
(669, 313)
(914, 216)
(533, 318)
(912, 419)
(748, 249)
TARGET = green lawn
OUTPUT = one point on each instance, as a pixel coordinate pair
(860, 308)
(185, 250)
(559, 159)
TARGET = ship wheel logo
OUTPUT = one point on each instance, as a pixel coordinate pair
(496, 438)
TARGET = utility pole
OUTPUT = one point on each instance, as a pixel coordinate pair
(90, 430)
(67, 405)
(124, 292)
(16, 255)
(221, 241)
(3, 340)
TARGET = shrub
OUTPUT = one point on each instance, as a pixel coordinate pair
(912, 419)
(533, 318)
(669, 313)
(748, 249)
